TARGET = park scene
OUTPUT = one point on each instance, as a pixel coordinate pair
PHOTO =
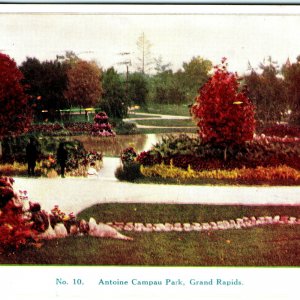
(140, 163)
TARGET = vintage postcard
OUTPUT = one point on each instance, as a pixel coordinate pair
(149, 151)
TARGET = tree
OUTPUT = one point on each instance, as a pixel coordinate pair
(160, 67)
(291, 73)
(166, 89)
(46, 82)
(267, 92)
(194, 74)
(114, 101)
(138, 89)
(15, 113)
(84, 84)
(144, 57)
(224, 114)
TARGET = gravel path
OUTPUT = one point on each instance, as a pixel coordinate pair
(76, 194)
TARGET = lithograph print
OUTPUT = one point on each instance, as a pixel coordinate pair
(149, 151)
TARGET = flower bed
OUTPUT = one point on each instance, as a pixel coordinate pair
(281, 175)
(101, 127)
(265, 160)
(185, 151)
(281, 130)
(25, 223)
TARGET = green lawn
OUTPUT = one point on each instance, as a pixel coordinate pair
(161, 213)
(272, 245)
(263, 246)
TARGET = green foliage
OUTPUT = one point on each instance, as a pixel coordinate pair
(186, 151)
(194, 75)
(166, 89)
(115, 101)
(129, 171)
(126, 127)
(138, 89)
(291, 74)
(46, 82)
(267, 92)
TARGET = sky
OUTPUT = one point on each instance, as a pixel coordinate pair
(175, 35)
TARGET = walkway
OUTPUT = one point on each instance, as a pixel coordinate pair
(148, 116)
(76, 194)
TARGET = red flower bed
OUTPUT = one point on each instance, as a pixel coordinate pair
(15, 227)
(282, 130)
(78, 127)
(45, 128)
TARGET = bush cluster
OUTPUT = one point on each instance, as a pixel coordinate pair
(185, 151)
(13, 161)
(15, 226)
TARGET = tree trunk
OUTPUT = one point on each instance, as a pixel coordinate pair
(225, 153)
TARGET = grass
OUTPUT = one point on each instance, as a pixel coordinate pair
(264, 246)
(161, 213)
(273, 245)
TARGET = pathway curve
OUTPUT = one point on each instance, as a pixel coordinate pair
(75, 194)
(148, 116)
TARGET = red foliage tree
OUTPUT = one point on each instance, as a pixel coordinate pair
(84, 84)
(224, 114)
(15, 116)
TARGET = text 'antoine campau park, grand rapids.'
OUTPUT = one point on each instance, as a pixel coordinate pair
(170, 282)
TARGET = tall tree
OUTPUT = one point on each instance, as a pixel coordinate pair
(166, 89)
(114, 101)
(291, 74)
(84, 84)
(15, 114)
(46, 82)
(144, 57)
(138, 89)
(193, 76)
(267, 92)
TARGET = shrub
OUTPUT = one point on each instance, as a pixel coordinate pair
(126, 127)
(223, 113)
(207, 156)
(129, 172)
(149, 158)
(15, 226)
(128, 155)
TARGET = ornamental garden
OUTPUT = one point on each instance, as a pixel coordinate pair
(227, 145)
